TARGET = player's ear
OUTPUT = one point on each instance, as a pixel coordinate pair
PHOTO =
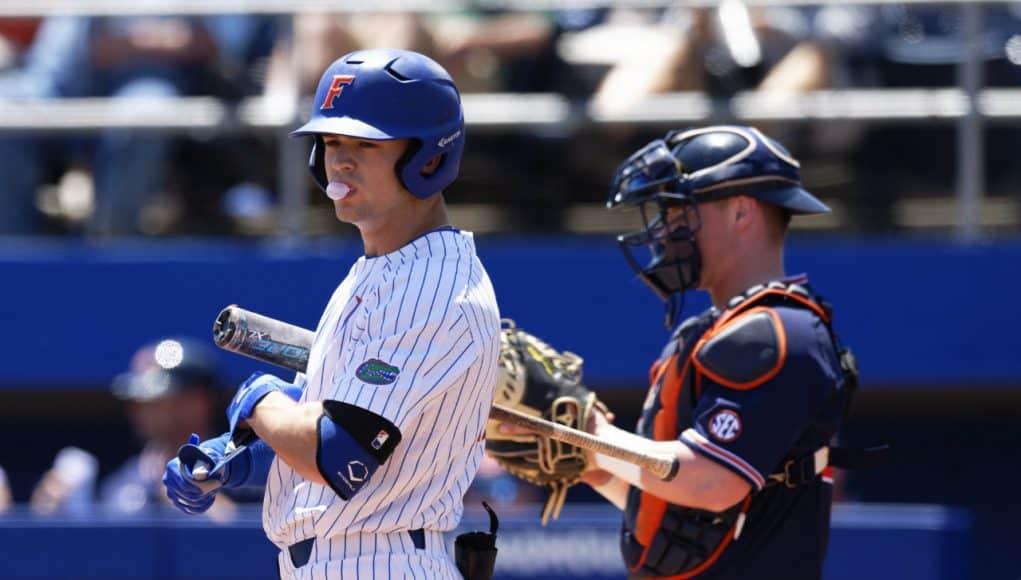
(742, 210)
(430, 167)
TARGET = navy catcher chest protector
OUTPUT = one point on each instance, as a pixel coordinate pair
(386, 94)
(686, 168)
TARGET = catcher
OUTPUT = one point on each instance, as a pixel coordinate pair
(747, 395)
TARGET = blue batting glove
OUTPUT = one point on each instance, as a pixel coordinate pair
(248, 396)
(187, 493)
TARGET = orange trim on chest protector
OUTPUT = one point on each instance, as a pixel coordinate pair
(664, 428)
(781, 358)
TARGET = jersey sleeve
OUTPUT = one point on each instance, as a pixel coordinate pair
(763, 379)
(413, 344)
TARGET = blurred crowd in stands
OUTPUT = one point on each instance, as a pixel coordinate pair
(116, 182)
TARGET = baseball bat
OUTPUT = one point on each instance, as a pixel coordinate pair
(286, 345)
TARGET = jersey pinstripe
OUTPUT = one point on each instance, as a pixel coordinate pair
(429, 310)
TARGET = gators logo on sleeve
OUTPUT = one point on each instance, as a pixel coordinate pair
(377, 372)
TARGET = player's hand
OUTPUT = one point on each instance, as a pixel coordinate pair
(248, 396)
(598, 419)
(596, 477)
(188, 493)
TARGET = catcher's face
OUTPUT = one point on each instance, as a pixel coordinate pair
(365, 168)
(668, 237)
(711, 240)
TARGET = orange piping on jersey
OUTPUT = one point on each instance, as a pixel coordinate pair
(664, 427)
(654, 372)
(781, 338)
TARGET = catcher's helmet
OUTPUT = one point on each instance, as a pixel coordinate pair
(384, 94)
(165, 367)
(686, 168)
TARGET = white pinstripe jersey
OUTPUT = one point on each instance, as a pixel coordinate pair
(429, 310)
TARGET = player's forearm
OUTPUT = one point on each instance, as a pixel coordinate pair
(699, 483)
(289, 428)
(611, 487)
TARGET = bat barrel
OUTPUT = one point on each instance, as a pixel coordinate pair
(262, 338)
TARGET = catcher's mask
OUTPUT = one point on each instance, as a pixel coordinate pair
(668, 178)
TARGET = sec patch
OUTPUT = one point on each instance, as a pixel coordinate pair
(377, 372)
(725, 425)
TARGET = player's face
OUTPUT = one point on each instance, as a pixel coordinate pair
(366, 170)
(715, 241)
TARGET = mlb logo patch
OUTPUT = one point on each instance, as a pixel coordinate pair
(380, 439)
(725, 426)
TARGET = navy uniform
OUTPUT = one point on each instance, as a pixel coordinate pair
(758, 388)
(758, 385)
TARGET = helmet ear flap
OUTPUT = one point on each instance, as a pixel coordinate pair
(402, 167)
(317, 162)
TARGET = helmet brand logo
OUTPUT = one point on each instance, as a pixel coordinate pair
(336, 87)
(443, 142)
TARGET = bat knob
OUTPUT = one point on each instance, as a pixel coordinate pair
(200, 472)
(225, 326)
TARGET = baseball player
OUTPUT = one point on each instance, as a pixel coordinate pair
(748, 394)
(365, 459)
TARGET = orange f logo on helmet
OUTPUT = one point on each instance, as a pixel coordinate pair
(336, 87)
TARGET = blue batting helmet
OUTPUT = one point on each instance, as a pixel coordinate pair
(384, 94)
(686, 168)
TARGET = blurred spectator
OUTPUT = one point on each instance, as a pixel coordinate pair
(123, 57)
(224, 182)
(5, 491)
(68, 486)
(171, 391)
(920, 46)
(15, 37)
(516, 52)
(719, 51)
(52, 67)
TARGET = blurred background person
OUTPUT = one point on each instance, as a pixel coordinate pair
(170, 392)
(15, 37)
(5, 492)
(52, 66)
(905, 46)
(68, 487)
(108, 178)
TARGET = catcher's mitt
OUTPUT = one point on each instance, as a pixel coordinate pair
(539, 381)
